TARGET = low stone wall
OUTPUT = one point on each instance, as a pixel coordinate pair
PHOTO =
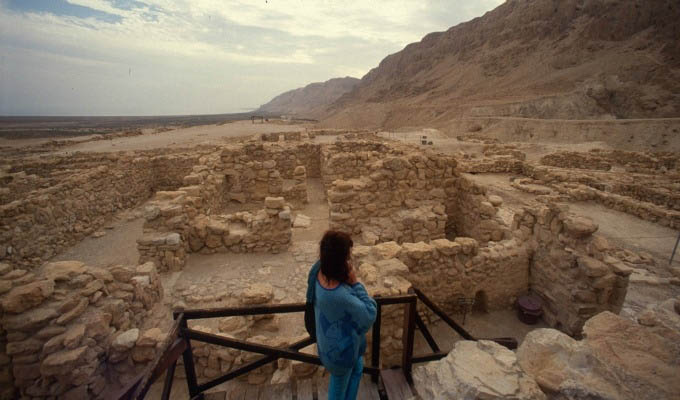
(268, 230)
(572, 159)
(643, 196)
(491, 165)
(645, 210)
(165, 249)
(575, 273)
(70, 326)
(46, 220)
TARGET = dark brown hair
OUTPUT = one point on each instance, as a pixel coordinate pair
(334, 254)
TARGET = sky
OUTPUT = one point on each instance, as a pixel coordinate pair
(172, 57)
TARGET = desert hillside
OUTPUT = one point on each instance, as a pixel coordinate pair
(568, 59)
(310, 101)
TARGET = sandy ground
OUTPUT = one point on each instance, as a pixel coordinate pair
(183, 137)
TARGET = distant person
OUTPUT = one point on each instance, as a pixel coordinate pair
(343, 313)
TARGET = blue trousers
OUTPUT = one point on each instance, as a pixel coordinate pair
(345, 387)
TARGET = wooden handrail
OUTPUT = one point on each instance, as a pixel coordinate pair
(462, 332)
(275, 308)
(508, 342)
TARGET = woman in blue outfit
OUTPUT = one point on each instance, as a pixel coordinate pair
(343, 311)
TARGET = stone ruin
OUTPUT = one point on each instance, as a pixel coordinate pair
(70, 330)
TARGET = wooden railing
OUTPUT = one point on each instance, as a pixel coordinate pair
(178, 344)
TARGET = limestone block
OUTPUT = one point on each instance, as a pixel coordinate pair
(150, 338)
(495, 201)
(418, 250)
(592, 267)
(257, 293)
(74, 313)
(5, 268)
(30, 320)
(63, 362)
(73, 336)
(392, 267)
(276, 203)
(386, 250)
(579, 227)
(446, 247)
(126, 340)
(63, 270)
(25, 297)
(302, 221)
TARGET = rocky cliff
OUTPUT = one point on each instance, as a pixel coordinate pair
(310, 101)
(567, 59)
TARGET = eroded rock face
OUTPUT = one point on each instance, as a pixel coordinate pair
(475, 371)
(618, 359)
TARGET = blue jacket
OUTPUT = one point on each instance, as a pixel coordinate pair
(343, 316)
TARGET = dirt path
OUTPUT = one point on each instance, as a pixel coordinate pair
(117, 247)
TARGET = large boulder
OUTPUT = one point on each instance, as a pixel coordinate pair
(480, 370)
(617, 359)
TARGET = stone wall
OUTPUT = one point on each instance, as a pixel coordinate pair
(166, 241)
(255, 171)
(576, 274)
(69, 326)
(572, 159)
(48, 219)
(268, 230)
(471, 213)
(644, 196)
(448, 270)
(401, 199)
(352, 159)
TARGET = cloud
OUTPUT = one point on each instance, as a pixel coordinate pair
(197, 56)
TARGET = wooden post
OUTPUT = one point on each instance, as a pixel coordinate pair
(674, 249)
(189, 368)
(408, 336)
(375, 350)
(167, 385)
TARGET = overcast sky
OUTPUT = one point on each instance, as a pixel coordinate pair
(152, 57)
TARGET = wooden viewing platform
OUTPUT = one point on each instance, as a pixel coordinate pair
(377, 383)
(305, 389)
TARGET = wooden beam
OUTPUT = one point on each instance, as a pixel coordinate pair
(242, 311)
(426, 333)
(251, 347)
(169, 377)
(375, 350)
(188, 358)
(244, 369)
(407, 338)
(459, 329)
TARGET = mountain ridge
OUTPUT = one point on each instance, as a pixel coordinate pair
(570, 59)
(309, 101)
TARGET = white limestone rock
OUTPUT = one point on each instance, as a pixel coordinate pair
(302, 221)
(475, 371)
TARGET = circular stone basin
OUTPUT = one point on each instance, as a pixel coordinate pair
(529, 309)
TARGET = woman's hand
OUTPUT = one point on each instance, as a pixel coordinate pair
(352, 276)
